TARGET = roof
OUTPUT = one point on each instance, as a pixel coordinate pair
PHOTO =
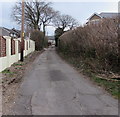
(51, 37)
(108, 15)
(93, 15)
(104, 15)
(6, 32)
(15, 30)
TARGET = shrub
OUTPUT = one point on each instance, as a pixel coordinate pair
(96, 41)
(58, 33)
(45, 42)
(38, 37)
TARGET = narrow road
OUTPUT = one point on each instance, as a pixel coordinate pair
(52, 87)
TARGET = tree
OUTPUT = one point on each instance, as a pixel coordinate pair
(58, 33)
(33, 12)
(37, 36)
(66, 22)
(46, 17)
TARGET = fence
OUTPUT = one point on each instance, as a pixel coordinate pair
(10, 50)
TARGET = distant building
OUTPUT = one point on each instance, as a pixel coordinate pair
(95, 18)
(9, 32)
(51, 39)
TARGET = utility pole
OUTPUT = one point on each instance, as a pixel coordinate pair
(119, 36)
(22, 33)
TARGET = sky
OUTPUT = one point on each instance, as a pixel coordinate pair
(79, 9)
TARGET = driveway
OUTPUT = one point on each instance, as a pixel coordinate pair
(52, 87)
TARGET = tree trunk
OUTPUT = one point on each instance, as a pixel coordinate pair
(44, 31)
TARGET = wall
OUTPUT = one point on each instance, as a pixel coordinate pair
(13, 51)
(94, 20)
(2, 46)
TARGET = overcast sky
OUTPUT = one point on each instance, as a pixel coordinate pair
(78, 10)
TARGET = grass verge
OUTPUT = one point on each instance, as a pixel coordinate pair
(84, 67)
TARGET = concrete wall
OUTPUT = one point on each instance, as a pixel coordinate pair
(9, 59)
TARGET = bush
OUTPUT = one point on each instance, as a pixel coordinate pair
(38, 37)
(96, 41)
(58, 33)
(45, 42)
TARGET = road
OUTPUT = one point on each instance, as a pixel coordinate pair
(0, 94)
(52, 87)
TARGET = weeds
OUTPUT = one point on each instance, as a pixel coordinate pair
(18, 64)
(94, 43)
(111, 86)
(8, 72)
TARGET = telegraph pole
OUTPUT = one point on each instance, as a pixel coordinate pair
(22, 33)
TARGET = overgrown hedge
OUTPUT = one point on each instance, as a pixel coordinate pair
(96, 42)
(40, 40)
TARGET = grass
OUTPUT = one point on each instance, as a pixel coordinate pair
(8, 72)
(18, 64)
(111, 86)
(19, 68)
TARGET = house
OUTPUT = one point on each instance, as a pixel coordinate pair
(9, 32)
(15, 32)
(95, 18)
(4, 32)
(51, 40)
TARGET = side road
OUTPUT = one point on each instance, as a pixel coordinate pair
(52, 87)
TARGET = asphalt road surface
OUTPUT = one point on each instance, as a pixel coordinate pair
(52, 87)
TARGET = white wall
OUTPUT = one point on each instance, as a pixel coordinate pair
(9, 59)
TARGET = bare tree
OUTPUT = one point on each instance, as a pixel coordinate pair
(46, 17)
(73, 23)
(65, 22)
(33, 12)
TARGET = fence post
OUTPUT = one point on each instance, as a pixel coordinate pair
(8, 50)
(8, 46)
(16, 46)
